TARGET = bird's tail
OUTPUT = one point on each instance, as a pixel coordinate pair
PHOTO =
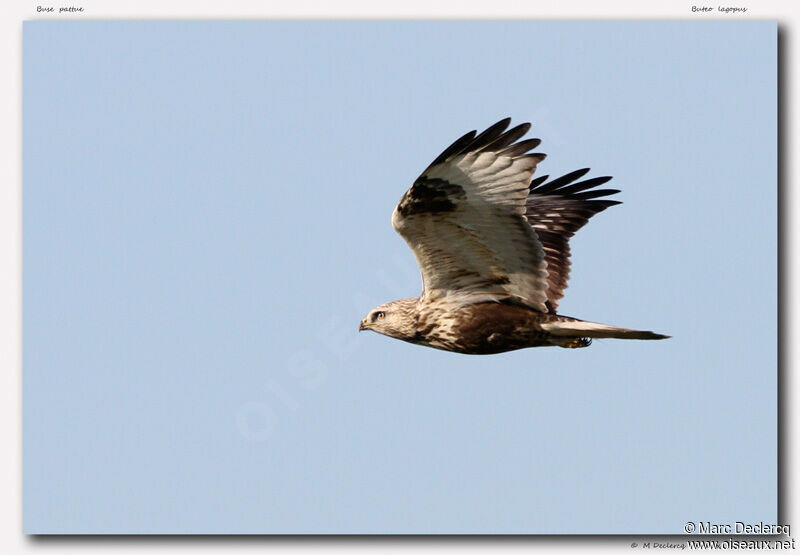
(570, 327)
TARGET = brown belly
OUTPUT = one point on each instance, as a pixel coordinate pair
(484, 328)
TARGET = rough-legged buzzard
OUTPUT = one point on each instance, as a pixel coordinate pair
(493, 249)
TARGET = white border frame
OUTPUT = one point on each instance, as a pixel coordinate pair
(12, 541)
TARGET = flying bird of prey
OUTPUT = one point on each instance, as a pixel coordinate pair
(493, 249)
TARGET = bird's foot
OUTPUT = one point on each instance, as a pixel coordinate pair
(572, 342)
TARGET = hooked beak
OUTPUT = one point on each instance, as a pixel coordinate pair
(362, 326)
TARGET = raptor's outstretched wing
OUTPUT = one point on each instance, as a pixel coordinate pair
(556, 210)
(465, 220)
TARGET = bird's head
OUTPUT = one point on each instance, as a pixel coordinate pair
(394, 319)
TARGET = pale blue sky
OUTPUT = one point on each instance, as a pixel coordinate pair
(207, 218)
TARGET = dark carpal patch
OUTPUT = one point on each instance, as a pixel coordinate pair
(431, 196)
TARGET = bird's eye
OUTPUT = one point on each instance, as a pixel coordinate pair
(378, 316)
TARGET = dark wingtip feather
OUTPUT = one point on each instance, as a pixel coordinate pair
(457, 146)
(524, 127)
(566, 186)
(490, 134)
(509, 137)
(600, 205)
(561, 181)
(521, 147)
(582, 186)
(494, 138)
(595, 193)
(538, 181)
